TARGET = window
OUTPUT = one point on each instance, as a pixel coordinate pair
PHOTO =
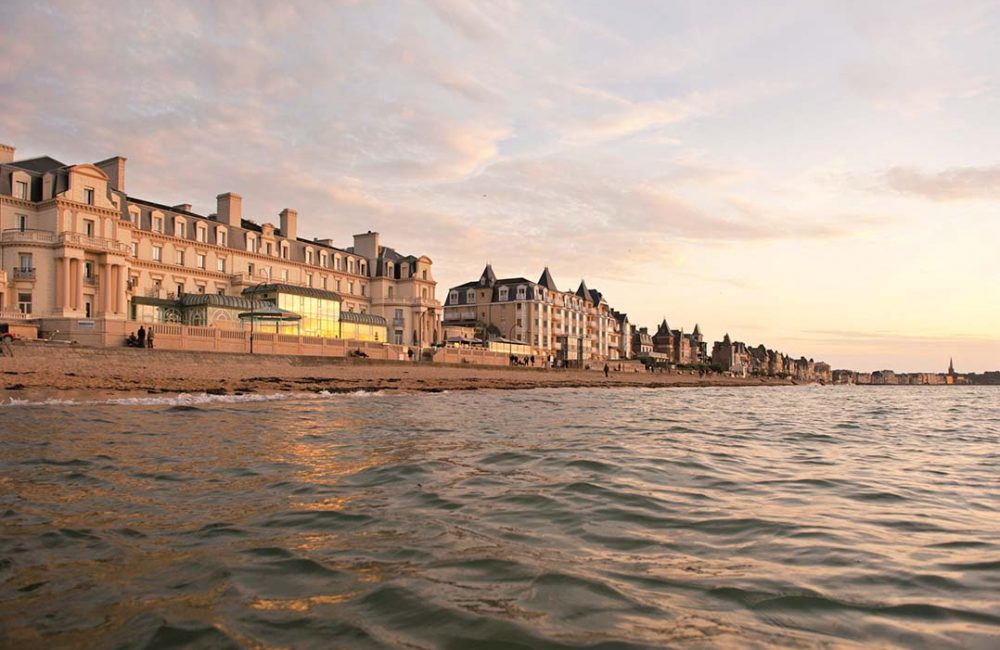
(363, 288)
(180, 289)
(250, 268)
(88, 270)
(284, 274)
(399, 315)
(251, 244)
(220, 237)
(157, 253)
(201, 261)
(453, 297)
(284, 251)
(158, 224)
(221, 264)
(22, 222)
(323, 259)
(389, 290)
(423, 274)
(309, 279)
(324, 282)
(470, 296)
(338, 285)
(202, 234)
(180, 258)
(24, 262)
(338, 263)
(134, 216)
(21, 191)
(350, 265)
(522, 292)
(201, 288)
(309, 256)
(24, 303)
(350, 288)
(423, 293)
(503, 293)
(180, 229)
(88, 195)
(269, 248)
(88, 227)
(220, 291)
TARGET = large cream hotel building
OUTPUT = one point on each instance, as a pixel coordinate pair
(81, 256)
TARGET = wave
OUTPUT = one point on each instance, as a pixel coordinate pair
(189, 401)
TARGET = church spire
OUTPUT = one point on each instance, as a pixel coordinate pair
(951, 366)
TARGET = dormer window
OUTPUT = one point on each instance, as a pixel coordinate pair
(201, 233)
(180, 229)
(157, 224)
(88, 195)
(470, 295)
(309, 256)
(21, 190)
(453, 297)
(522, 292)
(323, 259)
(284, 251)
(251, 243)
(220, 236)
(503, 293)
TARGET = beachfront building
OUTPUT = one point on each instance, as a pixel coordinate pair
(575, 327)
(81, 255)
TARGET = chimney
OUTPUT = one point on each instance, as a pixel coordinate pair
(289, 223)
(115, 169)
(7, 153)
(366, 245)
(230, 209)
(183, 207)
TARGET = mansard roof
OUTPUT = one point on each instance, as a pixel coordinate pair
(39, 165)
(584, 292)
(547, 281)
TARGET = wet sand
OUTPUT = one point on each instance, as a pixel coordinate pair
(39, 370)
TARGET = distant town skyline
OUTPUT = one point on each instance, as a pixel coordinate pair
(820, 178)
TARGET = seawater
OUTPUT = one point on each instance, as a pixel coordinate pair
(569, 518)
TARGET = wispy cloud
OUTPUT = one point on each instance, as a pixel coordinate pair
(952, 184)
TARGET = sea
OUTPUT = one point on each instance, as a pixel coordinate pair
(790, 517)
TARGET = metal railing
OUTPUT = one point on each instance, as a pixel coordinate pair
(24, 274)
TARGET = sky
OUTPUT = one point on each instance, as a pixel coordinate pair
(820, 177)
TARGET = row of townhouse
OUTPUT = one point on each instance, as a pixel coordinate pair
(78, 253)
(574, 327)
(739, 359)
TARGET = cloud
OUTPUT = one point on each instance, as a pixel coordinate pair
(954, 184)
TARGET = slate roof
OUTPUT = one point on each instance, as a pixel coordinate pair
(488, 277)
(547, 281)
(584, 292)
(216, 300)
(39, 165)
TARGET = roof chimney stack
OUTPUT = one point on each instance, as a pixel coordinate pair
(289, 223)
(115, 169)
(7, 153)
(230, 209)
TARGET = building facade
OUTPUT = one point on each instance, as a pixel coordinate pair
(78, 250)
(575, 327)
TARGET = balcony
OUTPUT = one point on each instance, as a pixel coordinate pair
(24, 274)
(17, 236)
(398, 322)
(90, 280)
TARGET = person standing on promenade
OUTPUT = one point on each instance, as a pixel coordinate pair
(141, 336)
(607, 369)
(149, 339)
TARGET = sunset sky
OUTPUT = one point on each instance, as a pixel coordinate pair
(822, 177)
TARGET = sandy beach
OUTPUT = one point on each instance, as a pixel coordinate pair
(40, 370)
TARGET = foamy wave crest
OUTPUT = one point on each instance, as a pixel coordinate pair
(189, 399)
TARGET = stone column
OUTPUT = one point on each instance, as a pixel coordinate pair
(78, 284)
(104, 294)
(60, 282)
(121, 300)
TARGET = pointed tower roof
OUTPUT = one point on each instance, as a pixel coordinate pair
(488, 278)
(726, 339)
(547, 281)
(696, 332)
(584, 292)
(951, 366)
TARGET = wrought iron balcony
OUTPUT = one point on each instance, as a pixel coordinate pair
(24, 274)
